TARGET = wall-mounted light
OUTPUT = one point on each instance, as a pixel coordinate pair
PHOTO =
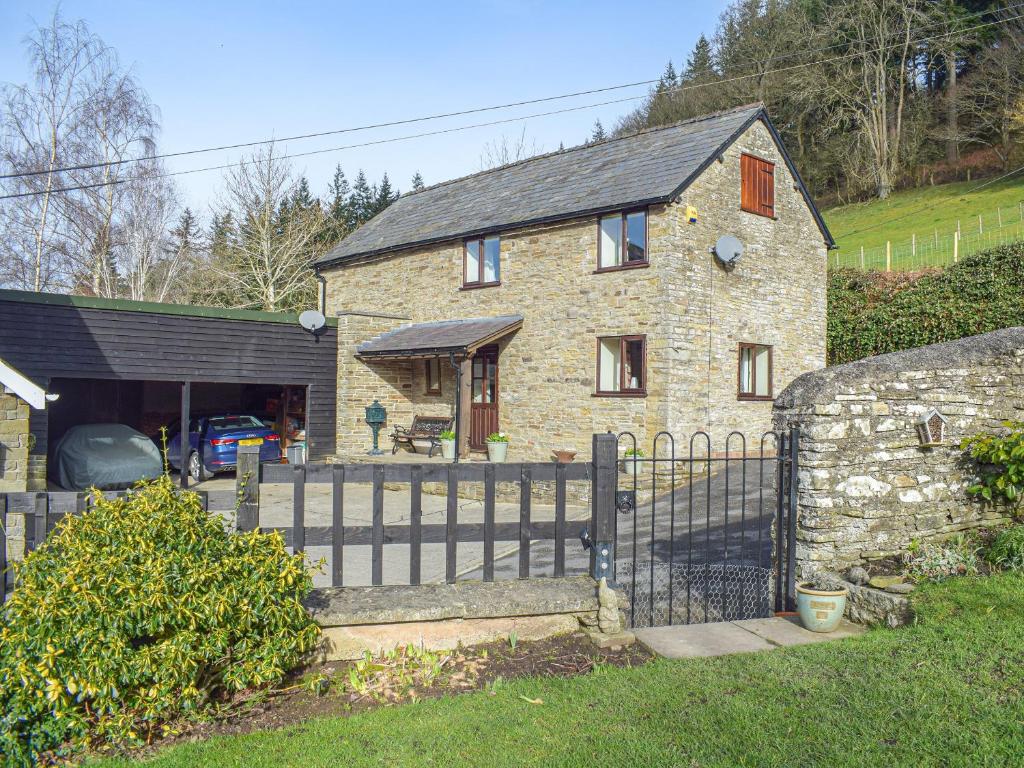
(931, 428)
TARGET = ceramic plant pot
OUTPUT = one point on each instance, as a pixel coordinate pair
(447, 448)
(820, 609)
(496, 452)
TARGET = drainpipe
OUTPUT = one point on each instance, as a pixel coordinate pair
(458, 404)
(323, 290)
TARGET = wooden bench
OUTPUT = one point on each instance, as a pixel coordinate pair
(423, 428)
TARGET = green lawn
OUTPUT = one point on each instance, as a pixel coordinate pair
(926, 212)
(948, 691)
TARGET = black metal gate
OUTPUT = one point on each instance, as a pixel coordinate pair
(704, 535)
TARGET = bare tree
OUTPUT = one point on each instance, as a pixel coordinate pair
(508, 150)
(265, 261)
(869, 88)
(148, 264)
(71, 128)
(41, 123)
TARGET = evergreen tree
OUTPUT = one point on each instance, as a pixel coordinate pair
(185, 235)
(598, 133)
(361, 201)
(668, 78)
(417, 182)
(385, 196)
(301, 198)
(700, 66)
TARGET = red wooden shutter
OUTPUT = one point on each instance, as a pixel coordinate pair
(757, 185)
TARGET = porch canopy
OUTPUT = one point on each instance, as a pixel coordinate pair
(458, 341)
(460, 338)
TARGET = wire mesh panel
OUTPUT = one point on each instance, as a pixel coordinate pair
(704, 535)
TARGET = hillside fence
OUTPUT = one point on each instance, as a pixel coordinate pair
(938, 249)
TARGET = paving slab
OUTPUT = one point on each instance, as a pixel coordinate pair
(787, 630)
(690, 641)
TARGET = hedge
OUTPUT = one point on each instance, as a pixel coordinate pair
(870, 313)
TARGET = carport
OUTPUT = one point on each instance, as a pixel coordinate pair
(152, 365)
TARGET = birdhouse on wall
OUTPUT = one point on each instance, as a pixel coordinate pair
(931, 428)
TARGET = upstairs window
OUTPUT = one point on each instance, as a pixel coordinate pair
(757, 186)
(622, 365)
(481, 262)
(622, 240)
(432, 374)
(755, 375)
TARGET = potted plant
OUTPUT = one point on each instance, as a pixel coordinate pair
(563, 455)
(820, 609)
(631, 462)
(497, 446)
(447, 440)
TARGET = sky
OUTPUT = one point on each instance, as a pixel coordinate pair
(224, 72)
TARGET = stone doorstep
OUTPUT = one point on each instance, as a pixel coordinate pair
(690, 641)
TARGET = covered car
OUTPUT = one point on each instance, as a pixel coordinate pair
(105, 456)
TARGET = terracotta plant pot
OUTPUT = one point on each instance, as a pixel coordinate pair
(820, 609)
(564, 456)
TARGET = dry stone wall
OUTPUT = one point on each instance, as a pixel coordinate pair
(868, 488)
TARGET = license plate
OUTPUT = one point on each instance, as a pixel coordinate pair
(251, 441)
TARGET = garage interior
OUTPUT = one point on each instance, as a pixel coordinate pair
(145, 365)
(149, 406)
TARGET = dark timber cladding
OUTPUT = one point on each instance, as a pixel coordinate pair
(49, 336)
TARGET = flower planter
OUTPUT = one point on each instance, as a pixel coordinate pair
(447, 448)
(564, 456)
(632, 466)
(820, 609)
(496, 452)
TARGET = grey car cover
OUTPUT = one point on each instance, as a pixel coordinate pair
(105, 456)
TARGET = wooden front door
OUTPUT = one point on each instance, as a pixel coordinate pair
(483, 409)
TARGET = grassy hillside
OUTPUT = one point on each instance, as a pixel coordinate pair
(922, 212)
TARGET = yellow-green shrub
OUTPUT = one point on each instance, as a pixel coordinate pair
(142, 610)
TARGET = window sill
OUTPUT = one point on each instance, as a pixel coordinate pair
(474, 286)
(632, 393)
(773, 217)
(755, 398)
(622, 267)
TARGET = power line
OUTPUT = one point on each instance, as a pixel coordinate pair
(478, 110)
(518, 118)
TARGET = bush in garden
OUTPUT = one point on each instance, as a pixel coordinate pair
(957, 556)
(1000, 459)
(1007, 549)
(142, 610)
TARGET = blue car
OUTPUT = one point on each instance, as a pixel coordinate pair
(214, 441)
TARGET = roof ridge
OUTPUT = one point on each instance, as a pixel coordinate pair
(580, 147)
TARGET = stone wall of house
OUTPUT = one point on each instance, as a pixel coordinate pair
(692, 311)
(867, 486)
(400, 386)
(14, 442)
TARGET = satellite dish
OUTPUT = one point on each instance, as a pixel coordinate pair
(312, 320)
(728, 250)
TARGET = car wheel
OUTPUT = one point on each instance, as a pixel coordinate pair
(196, 469)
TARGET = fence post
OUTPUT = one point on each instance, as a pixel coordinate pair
(862, 257)
(888, 256)
(247, 487)
(602, 555)
(3, 547)
(794, 453)
(956, 246)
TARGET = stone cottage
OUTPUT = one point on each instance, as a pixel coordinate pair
(17, 395)
(581, 291)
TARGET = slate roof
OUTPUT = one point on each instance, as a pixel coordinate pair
(440, 337)
(649, 167)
